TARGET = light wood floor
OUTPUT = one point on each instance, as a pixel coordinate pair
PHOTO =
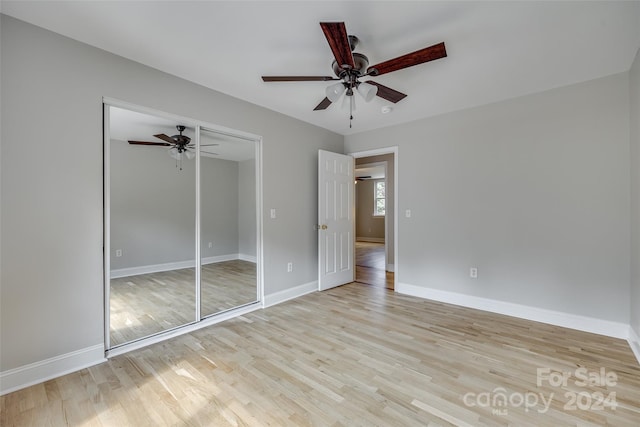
(146, 304)
(369, 254)
(356, 355)
(371, 265)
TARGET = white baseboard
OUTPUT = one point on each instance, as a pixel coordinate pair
(557, 318)
(634, 343)
(370, 239)
(391, 268)
(44, 370)
(287, 294)
(168, 266)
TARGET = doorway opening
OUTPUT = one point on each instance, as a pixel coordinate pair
(375, 207)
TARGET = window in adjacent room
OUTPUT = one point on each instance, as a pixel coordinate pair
(379, 197)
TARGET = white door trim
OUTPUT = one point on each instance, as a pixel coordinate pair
(396, 213)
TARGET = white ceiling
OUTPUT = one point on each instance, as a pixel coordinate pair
(496, 50)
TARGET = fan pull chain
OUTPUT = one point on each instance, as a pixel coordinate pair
(350, 112)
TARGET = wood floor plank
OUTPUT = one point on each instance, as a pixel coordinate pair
(356, 355)
(371, 265)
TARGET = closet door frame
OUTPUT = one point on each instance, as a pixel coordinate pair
(198, 322)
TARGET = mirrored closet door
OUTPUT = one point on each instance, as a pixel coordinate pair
(167, 263)
(227, 221)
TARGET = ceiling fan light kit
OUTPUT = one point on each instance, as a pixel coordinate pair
(350, 66)
(177, 154)
(367, 91)
(349, 103)
(335, 91)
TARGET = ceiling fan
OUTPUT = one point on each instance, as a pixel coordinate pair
(349, 67)
(179, 144)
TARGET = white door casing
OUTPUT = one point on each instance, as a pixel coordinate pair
(336, 205)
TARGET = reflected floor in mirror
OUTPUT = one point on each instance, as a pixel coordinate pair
(146, 304)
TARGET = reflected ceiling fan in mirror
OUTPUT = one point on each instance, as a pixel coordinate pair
(179, 144)
(350, 66)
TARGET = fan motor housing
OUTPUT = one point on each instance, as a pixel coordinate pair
(361, 63)
(181, 139)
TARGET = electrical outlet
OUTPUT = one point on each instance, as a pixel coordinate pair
(273, 213)
(210, 245)
(289, 267)
(473, 272)
(407, 213)
(118, 252)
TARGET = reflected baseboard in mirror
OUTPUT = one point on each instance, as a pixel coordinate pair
(147, 304)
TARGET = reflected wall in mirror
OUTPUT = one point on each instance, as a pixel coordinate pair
(152, 211)
(228, 221)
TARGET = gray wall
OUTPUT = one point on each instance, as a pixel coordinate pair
(533, 191)
(634, 88)
(51, 272)
(367, 225)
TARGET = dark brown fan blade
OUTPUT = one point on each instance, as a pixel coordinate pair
(427, 54)
(149, 143)
(336, 34)
(388, 93)
(164, 137)
(323, 105)
(297, 78)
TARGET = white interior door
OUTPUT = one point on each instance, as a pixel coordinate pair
(336, 221)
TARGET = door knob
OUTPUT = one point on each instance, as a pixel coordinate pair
(323, 226)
